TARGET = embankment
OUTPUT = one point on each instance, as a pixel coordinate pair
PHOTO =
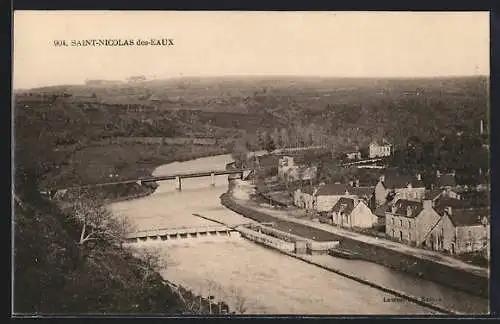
(427, 269)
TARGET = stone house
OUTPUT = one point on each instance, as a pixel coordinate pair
(305, 197)
(460, 231)
(379, 150)
(410, 221)
(351, 212)
(393, 186)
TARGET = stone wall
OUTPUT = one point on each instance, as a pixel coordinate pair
(426, 269)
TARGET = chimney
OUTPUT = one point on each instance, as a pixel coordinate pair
(427, 204)
(448, 210)
(438, 174)
(452, 172)
(419, 176)
(357, 182)
(351, 183)
(382, 178)
(481, 128)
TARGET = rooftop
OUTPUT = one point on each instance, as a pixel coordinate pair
(469, 217)
(344, 205)
(446, 180)
(407, 208)
(464, 203)
(392, 180)
(362, 191)
(333, 189)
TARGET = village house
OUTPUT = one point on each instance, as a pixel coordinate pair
(351, 212)
(393, 186)
(460, 231)
(354, 155)
(410, 221)
(305, 197)
(379, 150)
(292, 168)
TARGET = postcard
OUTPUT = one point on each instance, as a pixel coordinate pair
(251, 163)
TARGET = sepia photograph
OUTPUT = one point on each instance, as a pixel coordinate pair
(239, 163)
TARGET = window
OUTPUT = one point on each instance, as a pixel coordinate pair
(469, 233)
(393, 221)
(393, 233)
(401, 222)
(409, 224)
(409, 236)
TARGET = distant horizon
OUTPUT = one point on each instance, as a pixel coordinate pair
(222, 43)
(257, 76)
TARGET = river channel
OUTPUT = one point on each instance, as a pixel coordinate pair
(258, 280)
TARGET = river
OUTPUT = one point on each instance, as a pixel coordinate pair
(258, 280)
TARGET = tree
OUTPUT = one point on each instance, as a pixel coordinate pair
(239, 153)
(269, 144)
(96, 222)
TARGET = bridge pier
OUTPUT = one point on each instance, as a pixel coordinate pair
(212, 179)
(178, 183)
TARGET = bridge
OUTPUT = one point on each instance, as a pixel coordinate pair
(240, 174)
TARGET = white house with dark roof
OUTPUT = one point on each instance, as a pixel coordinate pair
(376, 149)
(351, 212)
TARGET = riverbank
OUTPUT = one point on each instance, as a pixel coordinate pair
(474, 282)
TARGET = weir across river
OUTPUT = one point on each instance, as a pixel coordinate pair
(241, 269)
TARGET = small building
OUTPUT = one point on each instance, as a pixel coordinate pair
(292, 168)
(460, 231)
(393, 186)
(285, 164)
(410, 221)
(349, 212)
(379, 150)
(305, 197)
(354, 155)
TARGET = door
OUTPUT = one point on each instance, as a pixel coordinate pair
(400, 235)
(452, 248)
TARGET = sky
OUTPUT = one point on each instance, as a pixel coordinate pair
(336, 44)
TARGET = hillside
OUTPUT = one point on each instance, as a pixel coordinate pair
(399, 106)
